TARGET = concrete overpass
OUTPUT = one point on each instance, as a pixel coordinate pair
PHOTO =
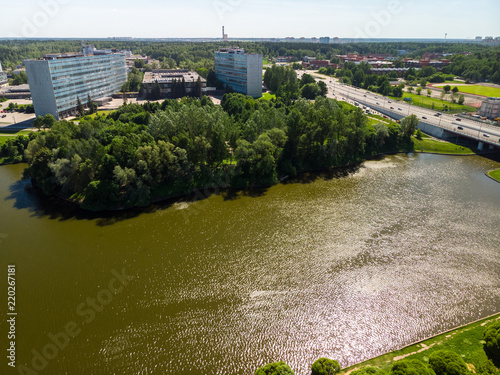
(444, 126)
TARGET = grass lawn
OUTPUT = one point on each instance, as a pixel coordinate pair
(268, 96)
(475, 89)
(424, 101)
(466, 341)
(428, 144)
(12, 135)
(495, 174)
(103, 113)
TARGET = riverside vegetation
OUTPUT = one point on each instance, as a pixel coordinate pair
(140, 153)
(473, 349)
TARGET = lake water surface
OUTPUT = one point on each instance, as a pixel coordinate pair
(346, 268)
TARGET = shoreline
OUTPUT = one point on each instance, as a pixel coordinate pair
(349, 369)
(347, 169)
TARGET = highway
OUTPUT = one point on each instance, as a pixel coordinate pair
(488, 134)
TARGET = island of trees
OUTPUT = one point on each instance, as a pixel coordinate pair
(140, 153)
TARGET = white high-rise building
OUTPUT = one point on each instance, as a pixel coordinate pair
(57, 82)
(239, 70)
(3, 76)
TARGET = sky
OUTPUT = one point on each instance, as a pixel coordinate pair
(458, 19)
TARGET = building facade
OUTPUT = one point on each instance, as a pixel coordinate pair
(490, 108)
(168, 81)
(57, 82)
(240, 71)
(3, 76)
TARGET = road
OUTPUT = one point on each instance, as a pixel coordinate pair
(482, 132)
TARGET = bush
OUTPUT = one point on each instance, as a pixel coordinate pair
(491, 337)
(276, 368)
(445, 362)
(411, 367)
(325, 366)
(369, 370)
(418, 134)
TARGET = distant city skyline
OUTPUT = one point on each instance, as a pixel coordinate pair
(458, 19)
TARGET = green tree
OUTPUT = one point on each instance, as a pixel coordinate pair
(423, 83)
(306, 79)
(79, 107)
(48, 121)
(447, 89)
(139, 64)
(409, 125)
(410, 89)
(429, 92)
(455, 89)
(310, 91)
(276, 368)
(419, 90)
(323, 88)
(445, 362)
(369, 370)
(491, 339)
(461, 99)
(411, 367)
(325, 366)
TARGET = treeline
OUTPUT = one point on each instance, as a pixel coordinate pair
(283, 82)
(439, 362)
(142, 152)
(199, 56)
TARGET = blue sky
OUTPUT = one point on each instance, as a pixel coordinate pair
(251, 18)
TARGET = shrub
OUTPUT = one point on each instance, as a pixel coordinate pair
(276, 368)
(325, 366)
(411, 367)
(491, 337)
(445, 362)
(369, 370)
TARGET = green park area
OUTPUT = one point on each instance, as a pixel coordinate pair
(428, 144)
(436, 104)
(495, 174)
(466, 341)
(476, 89)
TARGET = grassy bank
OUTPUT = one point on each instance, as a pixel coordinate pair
(428, 144)
(466, 341)
(495, 174)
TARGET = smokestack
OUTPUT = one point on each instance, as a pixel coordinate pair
(223, 32)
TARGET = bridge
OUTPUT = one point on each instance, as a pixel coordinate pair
(443, 126)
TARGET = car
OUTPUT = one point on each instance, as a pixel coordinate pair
(400, 109)
(4, 116)
(436, 115)
(392, 107)
(458, 119)
(378, 103)
(343, 98)
(425, 118)
(460, 128)
(364, 96)
(389, 101)
(486, 135)
(439, 113)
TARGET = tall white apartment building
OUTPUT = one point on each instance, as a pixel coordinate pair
(239, 70)
(58, 81)
(3, 76)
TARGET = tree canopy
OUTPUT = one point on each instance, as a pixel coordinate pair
(276, 368)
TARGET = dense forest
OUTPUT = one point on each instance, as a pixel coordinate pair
(142, 152)
(483, 63)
